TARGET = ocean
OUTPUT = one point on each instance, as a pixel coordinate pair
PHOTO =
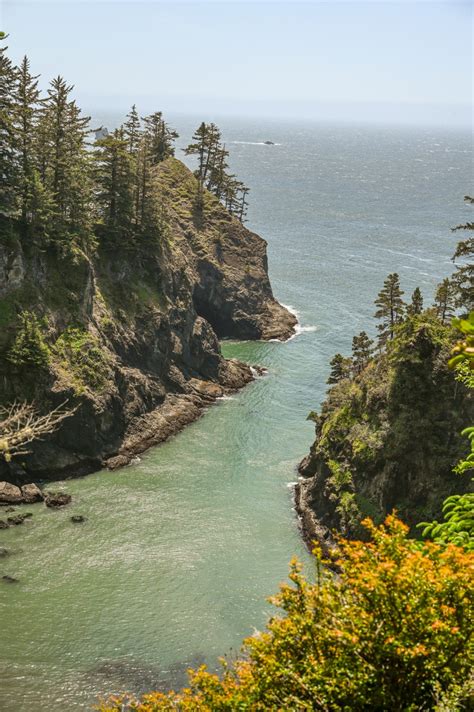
(182, 548)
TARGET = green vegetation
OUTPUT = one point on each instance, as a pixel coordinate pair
(80, 355)
(67, 198)
(392, 632)
(212, 174)
(29, 348)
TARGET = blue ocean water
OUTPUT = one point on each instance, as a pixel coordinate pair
(181, 549)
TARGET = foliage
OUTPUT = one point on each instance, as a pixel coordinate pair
(340, 489)
(80, 354)
(390, 307)
(463, 278)
(340, 368)
(212, 174)
(29, 347)
(392, 632)
(458, 510)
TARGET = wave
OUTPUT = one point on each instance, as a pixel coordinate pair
(299, 329)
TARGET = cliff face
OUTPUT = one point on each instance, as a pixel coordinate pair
(389, 438)
(131, 339)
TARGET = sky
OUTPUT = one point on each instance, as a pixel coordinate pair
(399, 62)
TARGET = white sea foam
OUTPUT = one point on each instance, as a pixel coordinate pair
(225, 398)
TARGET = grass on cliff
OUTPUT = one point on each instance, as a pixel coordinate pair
(392, 632)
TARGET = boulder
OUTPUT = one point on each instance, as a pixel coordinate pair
(31, 493)
(56, 499)
(78, 518)
(10, 494)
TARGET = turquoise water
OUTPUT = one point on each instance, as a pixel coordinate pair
(179, 551)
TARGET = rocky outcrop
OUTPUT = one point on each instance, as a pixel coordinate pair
(132, 338)
(31, 493)
(10, 494)
(388, 439)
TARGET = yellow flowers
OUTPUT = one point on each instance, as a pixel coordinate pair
(392, 631)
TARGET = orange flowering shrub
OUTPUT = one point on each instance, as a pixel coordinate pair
(393, 631)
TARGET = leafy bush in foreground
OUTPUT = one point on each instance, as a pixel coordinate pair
(391, 632)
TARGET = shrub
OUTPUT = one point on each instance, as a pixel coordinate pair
(29, 347)
(391, 632)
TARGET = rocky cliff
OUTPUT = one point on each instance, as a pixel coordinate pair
(130, 338)
(388, 438)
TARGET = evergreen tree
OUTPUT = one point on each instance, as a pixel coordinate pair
(340, 368)
(391, 307)
(362, 349)
(114, 181)
(463, 279)
(416, 306)
(64, 165)
(132, 130)
(8, 99)
(26, 110)
(160, 138)
(445, 300)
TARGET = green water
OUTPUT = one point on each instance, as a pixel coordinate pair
(180, 551)
(173, 564)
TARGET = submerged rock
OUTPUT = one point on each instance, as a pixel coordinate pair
(9, 579)
(10, 494)
(3, 552)
(18, 519)
(78, 518)
(3, 524)
(57, 499)
(32, 493)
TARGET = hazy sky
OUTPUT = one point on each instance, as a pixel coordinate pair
(402, 61)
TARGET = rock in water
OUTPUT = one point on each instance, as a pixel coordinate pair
(32, 493)
(9, 579)
(78, 519)
(57, 499)
(3, 552)
(10, 494)
(3, 524)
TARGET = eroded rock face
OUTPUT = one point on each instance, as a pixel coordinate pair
(10, 494)
(156, 320)
(31, 493)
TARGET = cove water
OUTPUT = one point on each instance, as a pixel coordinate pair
(180, 550)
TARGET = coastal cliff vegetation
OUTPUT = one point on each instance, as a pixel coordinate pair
(120, 269)
(388, 435)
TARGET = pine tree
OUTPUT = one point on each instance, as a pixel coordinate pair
(133, 135)
(160, 138)
(416, 306)
(445, 299)
(463, 279)
(26, 111)
(362, 349)
(114, 181)
(64, 165)
(391, 307)
(340, 368)
(8, 99)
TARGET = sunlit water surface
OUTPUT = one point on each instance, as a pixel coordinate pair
(179, 552)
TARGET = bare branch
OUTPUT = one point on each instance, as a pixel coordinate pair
(21, 423)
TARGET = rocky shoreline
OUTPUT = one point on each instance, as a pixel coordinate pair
(312, 531)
